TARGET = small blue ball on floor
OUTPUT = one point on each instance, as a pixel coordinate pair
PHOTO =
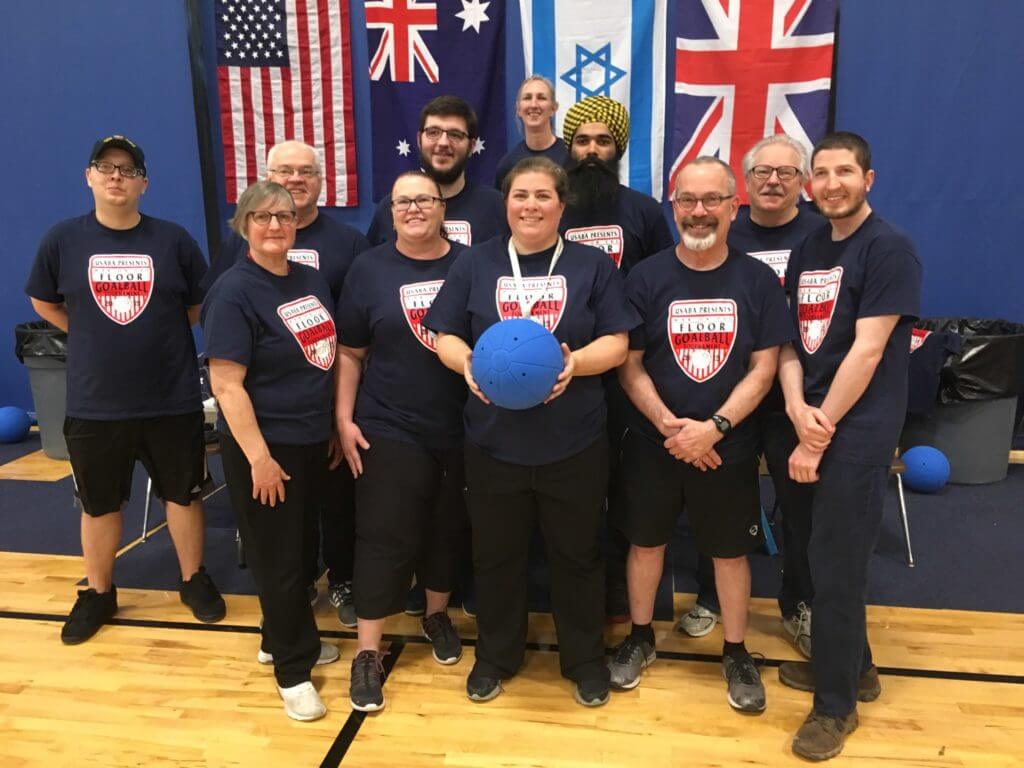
(927, 469)
(516, 363)
(14, 424)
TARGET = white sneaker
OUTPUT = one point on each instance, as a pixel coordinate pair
(328, 654)
(698, 622)
(302, 702)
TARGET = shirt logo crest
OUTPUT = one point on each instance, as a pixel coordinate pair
(702, 333)
(416, 300)
(305, 256)
(777, 260)
(609, 239)
(313, 328)
(121, 284)
(548, 295)
(918, 336)
(458, 231)
(816, 295)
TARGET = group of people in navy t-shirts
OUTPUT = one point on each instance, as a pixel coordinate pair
(351, 428)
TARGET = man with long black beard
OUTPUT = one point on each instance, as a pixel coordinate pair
(627, 225)
(446, 138)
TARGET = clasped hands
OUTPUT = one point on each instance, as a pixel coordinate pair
(814, 429)
(692, 441)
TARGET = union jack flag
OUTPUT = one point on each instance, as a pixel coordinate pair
(401, 46)
(746, 69)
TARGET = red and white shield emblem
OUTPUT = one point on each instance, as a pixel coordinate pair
(701, 333)
(816, 294)
(416, 300)
(546, 294)
(458, 232)
(608, 239)
(122, 284)
(305, 256)
(777, 260)
(313, 327)
(917, 338)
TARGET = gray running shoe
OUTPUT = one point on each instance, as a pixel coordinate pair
(698, 622)
(344, 603)
(798, 627)
(630, 659)
(746, 691)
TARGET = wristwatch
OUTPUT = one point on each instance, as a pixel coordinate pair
(722, 424)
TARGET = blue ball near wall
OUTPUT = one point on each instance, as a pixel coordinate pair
(516, 363)
(927, 469)
(14, 424)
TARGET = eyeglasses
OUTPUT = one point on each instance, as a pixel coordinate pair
(305, 172)
(423, 202)
(107, 169)
(784, 172)
(284, 218)
(711, 202)
(455, 136)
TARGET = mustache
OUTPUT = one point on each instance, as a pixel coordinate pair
(698, 221)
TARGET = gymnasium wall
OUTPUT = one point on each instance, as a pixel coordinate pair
(933, 87)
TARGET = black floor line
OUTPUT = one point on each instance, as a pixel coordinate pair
(403, 640)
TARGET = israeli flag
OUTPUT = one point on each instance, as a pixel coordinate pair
(613, 48)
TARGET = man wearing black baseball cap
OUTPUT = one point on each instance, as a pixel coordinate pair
(125, 288)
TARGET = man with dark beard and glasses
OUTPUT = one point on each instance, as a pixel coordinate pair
(447, 135)
(628, 226)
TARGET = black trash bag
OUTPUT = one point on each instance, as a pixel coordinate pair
(40, 339)
(991, 361)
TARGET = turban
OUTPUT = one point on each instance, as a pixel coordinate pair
(598, 109)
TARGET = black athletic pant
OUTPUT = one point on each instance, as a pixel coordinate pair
(274, 539)
(847, 513)
(565, 498)
(410, 518)
(615, 547)
(332, 529)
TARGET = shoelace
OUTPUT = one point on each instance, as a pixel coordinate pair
(803, 623)
(366, 662)
(746, 669)
(438, 624)
(629, 647)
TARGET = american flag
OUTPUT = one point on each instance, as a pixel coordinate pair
(284, 71)
(746, 69)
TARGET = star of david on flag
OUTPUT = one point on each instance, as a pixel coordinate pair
(746, 69)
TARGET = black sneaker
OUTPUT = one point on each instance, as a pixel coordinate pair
(200, 594)
(592, 693)
(344, 603)
(91, 611)
(416, 601)
(630, 659)
(482, 687)
(438, 629)
(365, 688)
(746, 691)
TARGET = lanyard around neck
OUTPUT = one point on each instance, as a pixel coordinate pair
(526, 307)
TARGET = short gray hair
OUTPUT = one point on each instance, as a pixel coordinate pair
(292, 144)
(254, 196)
(730, 177)
(787, 141)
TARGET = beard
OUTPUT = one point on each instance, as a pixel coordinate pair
(445, 177)
(694, 243)
(852, 207)
(594, 185)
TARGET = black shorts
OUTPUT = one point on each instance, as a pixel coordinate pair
(103, 455)
(723, 505)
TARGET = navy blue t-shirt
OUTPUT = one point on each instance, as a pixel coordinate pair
(326, 245)
(281, 328)
(130, 348)
(698, 334)
(557, 153)
(630, 233)
(873, 272)
(406, 393)
(773, 245)
(472, 217)
(582, 300)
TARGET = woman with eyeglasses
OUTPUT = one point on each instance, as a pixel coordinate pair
(270, 346)
(547, 464)
(535, 112)
(399, 414)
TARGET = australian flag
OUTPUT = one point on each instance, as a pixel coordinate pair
(419, 50)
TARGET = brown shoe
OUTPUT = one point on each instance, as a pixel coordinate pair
(822, 737)
(799, 675)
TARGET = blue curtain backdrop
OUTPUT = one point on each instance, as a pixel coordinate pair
(933, 87)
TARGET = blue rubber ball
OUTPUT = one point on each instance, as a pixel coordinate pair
(927, 469)
(516, 363)
(14, 424)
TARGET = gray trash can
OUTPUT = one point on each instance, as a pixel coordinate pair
(43, 349)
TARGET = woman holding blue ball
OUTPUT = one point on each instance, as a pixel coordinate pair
(546, 464)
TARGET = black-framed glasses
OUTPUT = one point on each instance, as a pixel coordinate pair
(306, 172)
(711, 202)
(455, 136)
(784, 172)
(423, 202)
(284, 218)
(107, 169)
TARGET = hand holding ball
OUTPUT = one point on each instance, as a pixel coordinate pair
(516, 363)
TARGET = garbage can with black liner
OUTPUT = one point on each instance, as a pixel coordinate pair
(974, 417)
(43, 348)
